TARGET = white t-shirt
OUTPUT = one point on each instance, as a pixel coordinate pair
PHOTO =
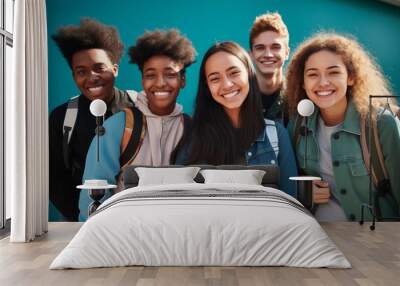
(332, 211)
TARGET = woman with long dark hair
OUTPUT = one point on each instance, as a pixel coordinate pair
(228, 124)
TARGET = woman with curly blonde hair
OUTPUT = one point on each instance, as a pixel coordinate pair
(338, 75)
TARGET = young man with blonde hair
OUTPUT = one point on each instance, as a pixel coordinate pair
(269, 49)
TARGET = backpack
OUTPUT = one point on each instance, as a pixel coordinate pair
(376, 168)
(374, 160)
(134, 133)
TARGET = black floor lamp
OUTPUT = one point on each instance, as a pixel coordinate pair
(97, 187)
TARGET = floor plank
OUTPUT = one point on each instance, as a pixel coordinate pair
(374, 255)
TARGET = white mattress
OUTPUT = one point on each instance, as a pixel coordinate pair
(184, 230)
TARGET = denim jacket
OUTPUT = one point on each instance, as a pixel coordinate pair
(262, 153)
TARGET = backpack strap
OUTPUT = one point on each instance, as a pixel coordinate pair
(272, 133)
(133, 135)
(376, 167)
(71, 114)
(376, 147)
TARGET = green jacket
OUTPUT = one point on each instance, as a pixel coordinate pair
(350, 173)
(277, 111)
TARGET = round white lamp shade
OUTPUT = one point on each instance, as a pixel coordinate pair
(305, 107)
(98, 107)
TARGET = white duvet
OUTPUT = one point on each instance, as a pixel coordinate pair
(228, 230)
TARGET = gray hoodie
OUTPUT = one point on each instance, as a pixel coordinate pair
(162, 133)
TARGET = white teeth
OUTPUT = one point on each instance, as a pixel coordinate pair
(231, 94)
(95, 89)
(324, 93)
(161, 93)
(268, 62)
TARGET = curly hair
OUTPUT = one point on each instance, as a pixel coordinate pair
(90, 34)
(162, 42)
(360, 65)
(268, 22)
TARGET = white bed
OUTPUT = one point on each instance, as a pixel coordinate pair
(201, 224)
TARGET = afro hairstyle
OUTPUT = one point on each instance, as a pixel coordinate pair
(90, 34)
(169, 43)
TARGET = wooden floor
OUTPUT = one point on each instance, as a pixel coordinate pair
(374, 255)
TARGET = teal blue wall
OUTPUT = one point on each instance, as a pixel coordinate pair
(374, 23)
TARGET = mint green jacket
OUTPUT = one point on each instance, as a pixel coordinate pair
(350, 174)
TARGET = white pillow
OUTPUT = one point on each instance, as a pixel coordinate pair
(248, 177)
(165, 176)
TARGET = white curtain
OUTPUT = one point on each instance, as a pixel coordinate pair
(27, 124)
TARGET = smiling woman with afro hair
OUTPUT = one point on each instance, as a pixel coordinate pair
(162, 57)
(168, 43)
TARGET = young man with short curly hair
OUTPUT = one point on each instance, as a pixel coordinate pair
(162, 57)
(93, 51)
(269, 49)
